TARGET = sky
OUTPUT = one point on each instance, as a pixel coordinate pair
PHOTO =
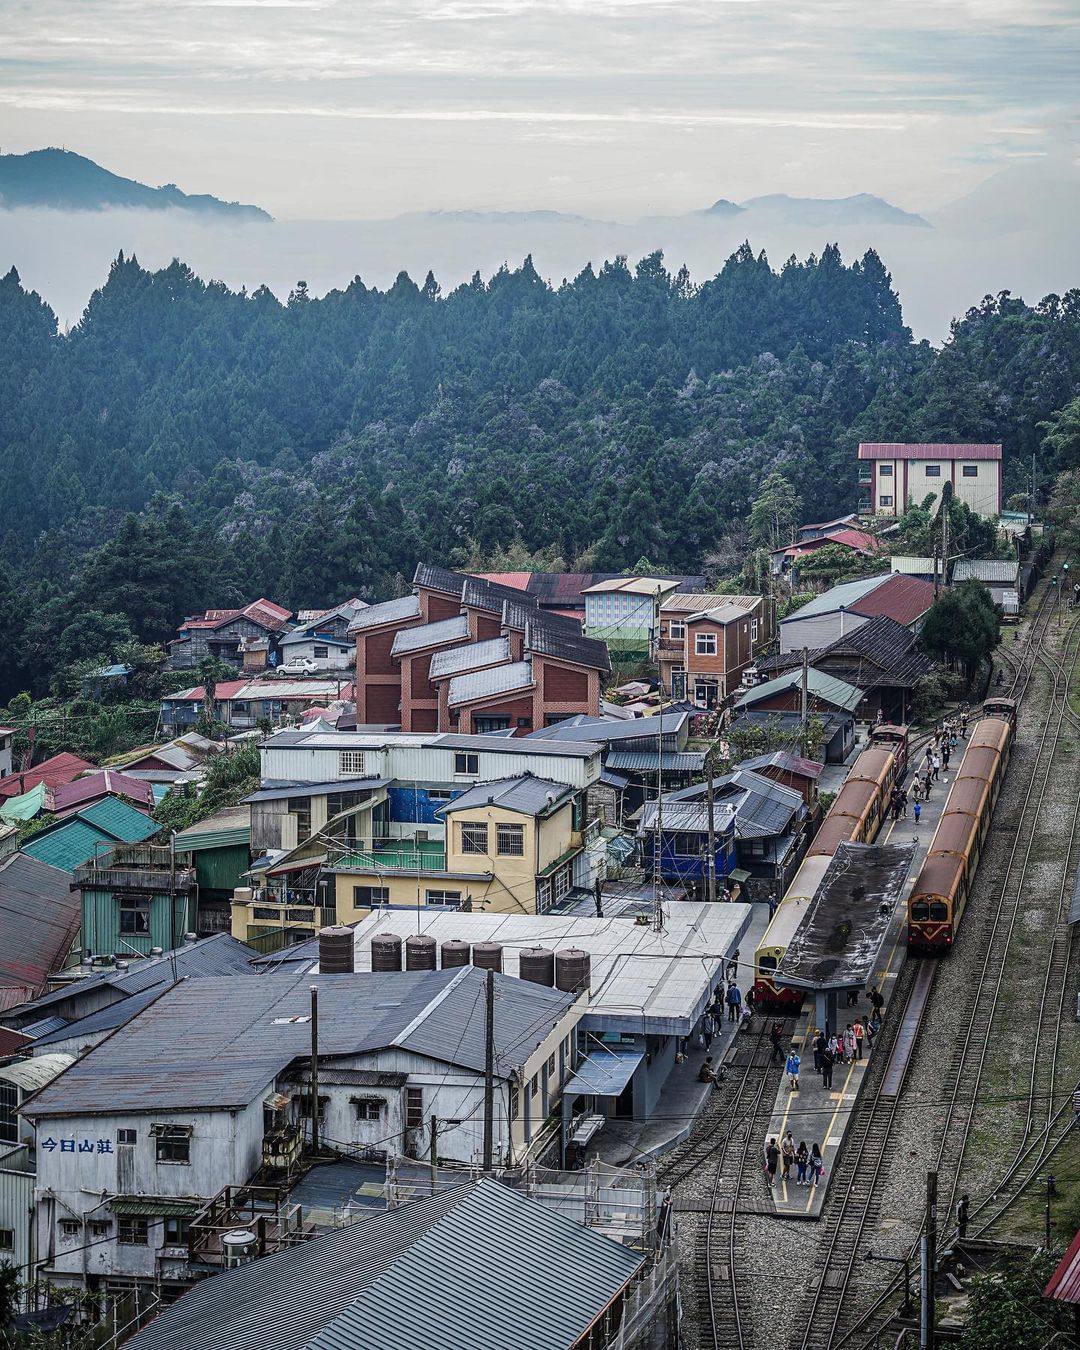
(363, 109)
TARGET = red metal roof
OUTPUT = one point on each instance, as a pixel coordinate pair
(850, 538)
(1064, 1284)
(518, 580)
(52, 772)
(901, 598)
(70, 797)
(11, 1042)
(39, 917)
(224, 689)
(926, 450)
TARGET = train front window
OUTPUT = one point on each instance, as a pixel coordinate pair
(939, 911)
(766, 963)
(920, 911)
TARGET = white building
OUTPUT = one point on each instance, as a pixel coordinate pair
(137, 1137)
(7, 735)
(894, 476)
(18, 1079)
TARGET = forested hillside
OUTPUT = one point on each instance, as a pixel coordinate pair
(186, 445)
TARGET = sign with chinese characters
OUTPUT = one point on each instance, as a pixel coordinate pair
(77, 1145)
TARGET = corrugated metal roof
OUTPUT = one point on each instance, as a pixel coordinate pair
(642, 761)
(468, 1267)
(75, 841)
(456, 660)
(436, 578)
(782, 759)
(69, 797)
(527, 794)
(59, 769)
(430, 634)
(903, 599)
(1001, 571)
(1064, 1284)
(926, 450)
(691, 817)
(32, 1074)
(819, 685)
(547, 640)
(215, 1043)
(279, 792)
(517, 745)
(837, 597)
(914, 567)
(226, 828)
(120, 819)
(390, 611)
(485, 683)
(692, 603)
(603, 730)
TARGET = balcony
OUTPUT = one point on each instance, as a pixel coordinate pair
(671, 646)
(259, 1210)
(392, 855)
(135, 867)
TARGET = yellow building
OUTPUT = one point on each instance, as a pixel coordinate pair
(510, 848)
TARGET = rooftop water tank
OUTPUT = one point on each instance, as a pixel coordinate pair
(487, 956)
(386, 952)
(420, 952)
(572, 969)
(238, 1246)
(538, 965)
(336, 948)
(454, 953)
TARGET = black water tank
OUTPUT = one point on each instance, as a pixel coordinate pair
(454, 953)
(336, 951)
(487, 956)
(537, 964)
(386, 952)
(572, 969)
(420, 952)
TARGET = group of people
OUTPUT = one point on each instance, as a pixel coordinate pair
(739, 1008)
(807, 1161)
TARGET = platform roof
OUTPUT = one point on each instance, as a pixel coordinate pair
(837, 944)
(640, 979)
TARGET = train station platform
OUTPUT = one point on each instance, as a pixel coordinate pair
(821, 1115)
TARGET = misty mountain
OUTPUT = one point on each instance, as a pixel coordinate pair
(1011, 199)
(62, 180)
(862, 209)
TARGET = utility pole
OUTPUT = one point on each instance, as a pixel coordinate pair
(936, 585)
(434, 1153)
(1031, 499)
(658, 837)
(314, 1098)
(804, 702)
(928, 1267)
(709, 803)
(489, 1070)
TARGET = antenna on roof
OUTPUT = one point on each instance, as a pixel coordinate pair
(658, 879)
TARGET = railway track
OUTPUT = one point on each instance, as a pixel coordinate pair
(866, 1154)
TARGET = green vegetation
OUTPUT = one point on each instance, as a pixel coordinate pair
(230, 777)
(186, 445)
(962, 628)
(1007, 1311)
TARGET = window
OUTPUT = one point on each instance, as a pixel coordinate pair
(368, 1108)
(100, 1228)
(884, 470)
(351, 763)
(473, 838)
(510, 840)
(439, 795)
(561, 884)
(483, 725)
(543, 895)
(125, 1136)
(449, 899)
(173, 1143)
(705, 644)
(469, 764)
(135, 915)
(414, 1108)
(300, 807)
(677, 630)
(176, 1231)
(534, 1085)
(9, 1124)
(515, 1102)
(939, 911)
(551, 1063)
(684, 844)
(884, 500)
(336, 802)
(7, 1239)
(303, 1106)
(367, 897)
(321, 653)
(753, 630)
(131, 1231)
(70, 1228)
(933, 471)
(970, 471)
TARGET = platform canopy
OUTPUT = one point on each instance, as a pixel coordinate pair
(836, 946)
(604, 1072)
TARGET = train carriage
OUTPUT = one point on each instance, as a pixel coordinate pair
(776, 937)
(1003, 709)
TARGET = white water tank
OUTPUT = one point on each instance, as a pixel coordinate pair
(238, 1246)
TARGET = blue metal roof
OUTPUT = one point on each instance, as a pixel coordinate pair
(604, 1072)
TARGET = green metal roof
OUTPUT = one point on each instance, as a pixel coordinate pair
(836, 692)
(68, 845)
(120, 819)
(225, 829)
(838, 597)
(26, 806)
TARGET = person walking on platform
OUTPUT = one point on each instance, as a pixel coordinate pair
(708, 1029)
(859, 1033)
(817, 1164)
(877, 1002)
(787, 1155)
(776, 1036)
(963, 725)
(849, 1044)
(793, 1063)
(802, 1158)
(916, 788)
(937, 765)
(772, 1159)
(828, 1059)
(819, 1047)
(945, 753)
(734, 1002)
(918, 811)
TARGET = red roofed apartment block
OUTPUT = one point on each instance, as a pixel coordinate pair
(894, 475)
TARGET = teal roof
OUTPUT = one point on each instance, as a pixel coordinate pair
(837, 693)
(120, 819)
(68, 845)
(839, 597)
(79, 838)
(227, 828)
(26, 806)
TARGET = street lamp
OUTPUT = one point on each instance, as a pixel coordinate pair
(904, 1261)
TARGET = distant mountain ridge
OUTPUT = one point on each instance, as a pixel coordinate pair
(65, 181)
